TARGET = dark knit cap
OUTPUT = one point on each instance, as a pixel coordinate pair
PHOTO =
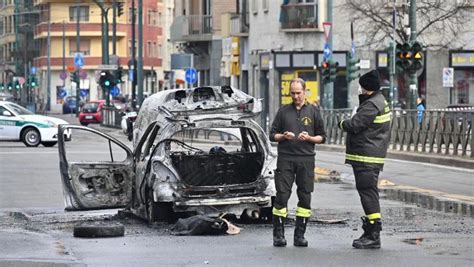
(370, 81)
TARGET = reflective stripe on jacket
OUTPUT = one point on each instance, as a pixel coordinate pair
(368, 132)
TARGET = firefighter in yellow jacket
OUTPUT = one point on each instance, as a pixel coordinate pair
(368, 136)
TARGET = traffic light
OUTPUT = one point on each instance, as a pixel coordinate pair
(33, 81)
(119, 9)
(403, 57)
(2, 86)
(417, 55)
(352, 67)
(325, 72)
(17, 85)
(333, 70)
(107, 80)
(10, 86)
(118, 75)
(74, 77)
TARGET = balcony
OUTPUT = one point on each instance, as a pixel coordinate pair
(192, 28)
(299, 17)
(237, 26)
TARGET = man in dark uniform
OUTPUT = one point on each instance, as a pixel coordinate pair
(296, 128)
(368, 137)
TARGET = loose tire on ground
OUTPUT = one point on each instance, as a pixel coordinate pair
(99, 229)
(49, 144)
(31, 137)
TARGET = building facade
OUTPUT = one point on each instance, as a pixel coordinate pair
(57, 34)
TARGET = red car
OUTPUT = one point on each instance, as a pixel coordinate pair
(91, 112)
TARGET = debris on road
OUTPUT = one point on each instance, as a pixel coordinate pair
(414, 241)
(323, 175)
(95, 229)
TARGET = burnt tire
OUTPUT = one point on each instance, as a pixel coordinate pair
(31, 137)
(99, 229)
(49, 144)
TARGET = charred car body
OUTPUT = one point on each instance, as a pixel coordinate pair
(194, 150)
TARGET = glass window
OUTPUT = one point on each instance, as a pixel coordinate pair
(463, 90)
(83, 13)
(85, 47)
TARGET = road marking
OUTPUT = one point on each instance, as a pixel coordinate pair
(432, 165)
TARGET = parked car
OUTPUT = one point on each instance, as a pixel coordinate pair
(69, 105)
(179, 163)
(19, 124)
(91, 112)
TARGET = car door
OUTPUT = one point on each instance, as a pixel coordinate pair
(8, 125)
(94, 183)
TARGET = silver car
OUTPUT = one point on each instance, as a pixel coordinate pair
(194, 150)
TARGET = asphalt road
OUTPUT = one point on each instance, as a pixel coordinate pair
(36, 231)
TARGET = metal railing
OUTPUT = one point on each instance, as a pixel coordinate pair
(111, 117)
(237, 27)
(439, 132)
(299, 16)
(198, 25)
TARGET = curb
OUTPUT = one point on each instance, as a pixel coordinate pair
(429, 199)
(452, 161)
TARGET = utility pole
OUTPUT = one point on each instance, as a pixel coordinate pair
(114, 27)
(78, 48)
(48, 74)
(391, 56)
(140, 53)
(64, 51)
(329, 86)
(133, 63)
(413, 76)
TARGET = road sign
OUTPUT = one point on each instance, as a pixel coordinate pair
(327, 29)
(33, 70)
(107, 67)
(115, 91)
(83, 74)
(62, 93)
(21, 81)
(327, 51)
(448, 77)
(78, 60)
(130, 75)
(191, 76)
(84, 92)
(63, 75)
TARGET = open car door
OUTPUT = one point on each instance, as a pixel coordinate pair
(96, 169)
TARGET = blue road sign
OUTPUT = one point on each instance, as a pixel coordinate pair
(130, 75)
(327, 51)
(115, 91)
(62, 93)
(83, 92)
(78, 60)
(33, 70)
(191, 76)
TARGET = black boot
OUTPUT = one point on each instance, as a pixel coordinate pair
(278, 232)
(300, 229)
(371, 236)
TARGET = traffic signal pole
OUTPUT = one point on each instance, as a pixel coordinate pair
(329, 86)
(140, 53)
(392, 60)
(78, 48)
(413, 76)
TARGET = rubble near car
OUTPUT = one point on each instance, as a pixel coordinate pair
(194, 150)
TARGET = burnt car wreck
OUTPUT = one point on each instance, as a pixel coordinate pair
(194, 150)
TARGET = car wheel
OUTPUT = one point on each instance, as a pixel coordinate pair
(31, 137)
(49, 144)
(158, 211)
(99, 229)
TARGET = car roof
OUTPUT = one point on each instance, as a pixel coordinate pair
(199, 99)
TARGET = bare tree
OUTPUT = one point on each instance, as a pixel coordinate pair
(439, 22)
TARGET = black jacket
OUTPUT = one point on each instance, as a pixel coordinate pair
(368, 131)
(307, 119)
